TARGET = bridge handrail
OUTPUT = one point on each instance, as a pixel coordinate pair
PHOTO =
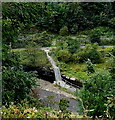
(71, 84)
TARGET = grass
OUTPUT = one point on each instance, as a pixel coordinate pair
(75, 70)
(32, 57)
(79, 71)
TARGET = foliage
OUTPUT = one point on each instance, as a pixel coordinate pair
(16, 82)
(95, 92)
(111, 22)
(32, 57)
(63, 31)
(113, 51)
(112, 69)
(90, 68)
(63, 55)
(95, 37)
(74, 29)
(73, 45)
(43, 39)
(52, 16)
(26, 110)
(10, 32)
(68, 43)
(102, 35)
(110, 106)
(63, 105)
(89, 52)
(74, 70)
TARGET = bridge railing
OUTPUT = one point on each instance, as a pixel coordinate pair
(69, 83)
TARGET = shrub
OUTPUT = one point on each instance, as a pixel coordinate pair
(43, 39)
(63, 105)
(16, 84)
(63, 31)
(63, 55)
(108, 40)
(32, 56)
(90, 68)
(89, 52)
(74, 29)
(112, 69)
(110, 107)
(10, 31)
(94, 56)
(95, 37)
(26, 110)
(73, 44)
(79, 57)
(113, 51)
(111, 23)
(95, 92)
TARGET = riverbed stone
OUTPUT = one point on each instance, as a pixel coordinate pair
(67, 77)
(72, 79)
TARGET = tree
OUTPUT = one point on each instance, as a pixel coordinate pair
(16, 83)
(95, 92)
(73, 44)
(95, 37)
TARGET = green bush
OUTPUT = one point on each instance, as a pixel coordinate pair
(90, 68)
(10, 32)
(89, 52)
(16, 82)
(63, 105)
(63, 55)
(26, 110)
(111, 23)
(95, 92)
(63, 31)
(95, 37)
(108, 40)
(113, 51)
(43, 39)
(73, 44)
(94, 56)
(112, 69)
(32, 56)
(79, 57)
(74, 29)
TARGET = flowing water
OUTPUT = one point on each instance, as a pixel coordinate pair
(55, 68)
(58, 78)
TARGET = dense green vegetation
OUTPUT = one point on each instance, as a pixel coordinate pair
(79, 31)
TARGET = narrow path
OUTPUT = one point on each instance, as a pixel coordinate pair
(49, 48)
